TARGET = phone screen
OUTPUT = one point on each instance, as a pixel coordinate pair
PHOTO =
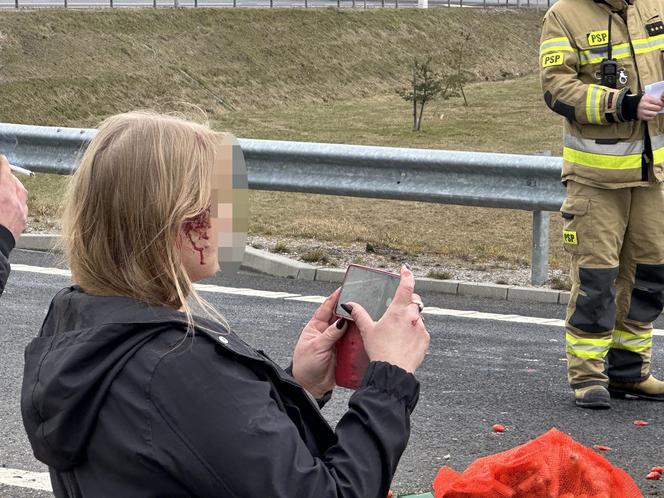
(373, 289)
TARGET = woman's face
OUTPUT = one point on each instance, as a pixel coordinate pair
(221, 231)
(200, 244)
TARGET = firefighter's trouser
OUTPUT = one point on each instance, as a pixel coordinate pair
(616, 238)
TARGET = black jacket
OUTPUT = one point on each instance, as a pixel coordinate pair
(119, 402)
(6, 245)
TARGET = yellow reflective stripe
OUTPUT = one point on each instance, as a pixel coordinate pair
(593, 101)
(559, 41)
(555, 40)
(629, 347)
(587, 354)
(644, 42)
(645, 45)
(658, 155)
(597, 97)
(581, 341)
(556, 48)
(629, 341)
(601, 161)
(629, 336)
(597, 58)
(622, 50)
(587, 348)
(619, 51)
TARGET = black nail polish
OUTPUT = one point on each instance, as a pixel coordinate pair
(340, 323)
(347, 308)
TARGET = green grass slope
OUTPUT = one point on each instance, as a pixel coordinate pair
(74, 68)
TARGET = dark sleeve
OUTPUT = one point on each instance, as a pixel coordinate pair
(6, 245)
(321, 402)
(239, 443)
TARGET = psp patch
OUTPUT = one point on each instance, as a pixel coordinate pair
(569, 237)
(553, 59)
(655, 28)
(596, 38)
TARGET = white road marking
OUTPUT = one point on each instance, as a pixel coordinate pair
(308, 299)
(429, 310)
(41, 269)
(25, 479)
(244, 292)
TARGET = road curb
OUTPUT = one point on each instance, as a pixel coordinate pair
(281, 266)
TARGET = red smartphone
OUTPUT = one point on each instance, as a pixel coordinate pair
(374, 290)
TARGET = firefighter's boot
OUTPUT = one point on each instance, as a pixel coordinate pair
(650, 389)
(594, 397)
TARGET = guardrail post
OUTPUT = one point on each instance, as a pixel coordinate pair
(539, 272)
(16, 4)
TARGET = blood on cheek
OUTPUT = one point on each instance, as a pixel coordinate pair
(198, 225)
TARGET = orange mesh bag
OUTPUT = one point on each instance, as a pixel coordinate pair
(550, 466)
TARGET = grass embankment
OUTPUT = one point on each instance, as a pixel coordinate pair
(318, 75)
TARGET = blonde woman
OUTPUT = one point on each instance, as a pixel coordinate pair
(126, 393)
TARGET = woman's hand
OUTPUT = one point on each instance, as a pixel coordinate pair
(400, 336)
(314, 358)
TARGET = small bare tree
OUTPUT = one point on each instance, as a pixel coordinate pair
(425, 86)
(455, 81)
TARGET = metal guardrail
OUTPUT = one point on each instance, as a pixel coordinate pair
(511, 181)
(84, 4)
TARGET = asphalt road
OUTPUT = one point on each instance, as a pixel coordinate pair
(478, 372)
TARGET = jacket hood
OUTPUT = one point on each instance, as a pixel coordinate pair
(69, 368)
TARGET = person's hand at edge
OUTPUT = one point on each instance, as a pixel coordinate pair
(13, 201)
(648, 107)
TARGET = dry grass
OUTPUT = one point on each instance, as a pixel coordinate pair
(76, 67)
(319, 75)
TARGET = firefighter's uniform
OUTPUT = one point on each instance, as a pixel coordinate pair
(613, 168)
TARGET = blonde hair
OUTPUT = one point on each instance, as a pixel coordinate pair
(140, 178)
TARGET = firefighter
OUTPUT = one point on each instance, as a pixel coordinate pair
(596, 58)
